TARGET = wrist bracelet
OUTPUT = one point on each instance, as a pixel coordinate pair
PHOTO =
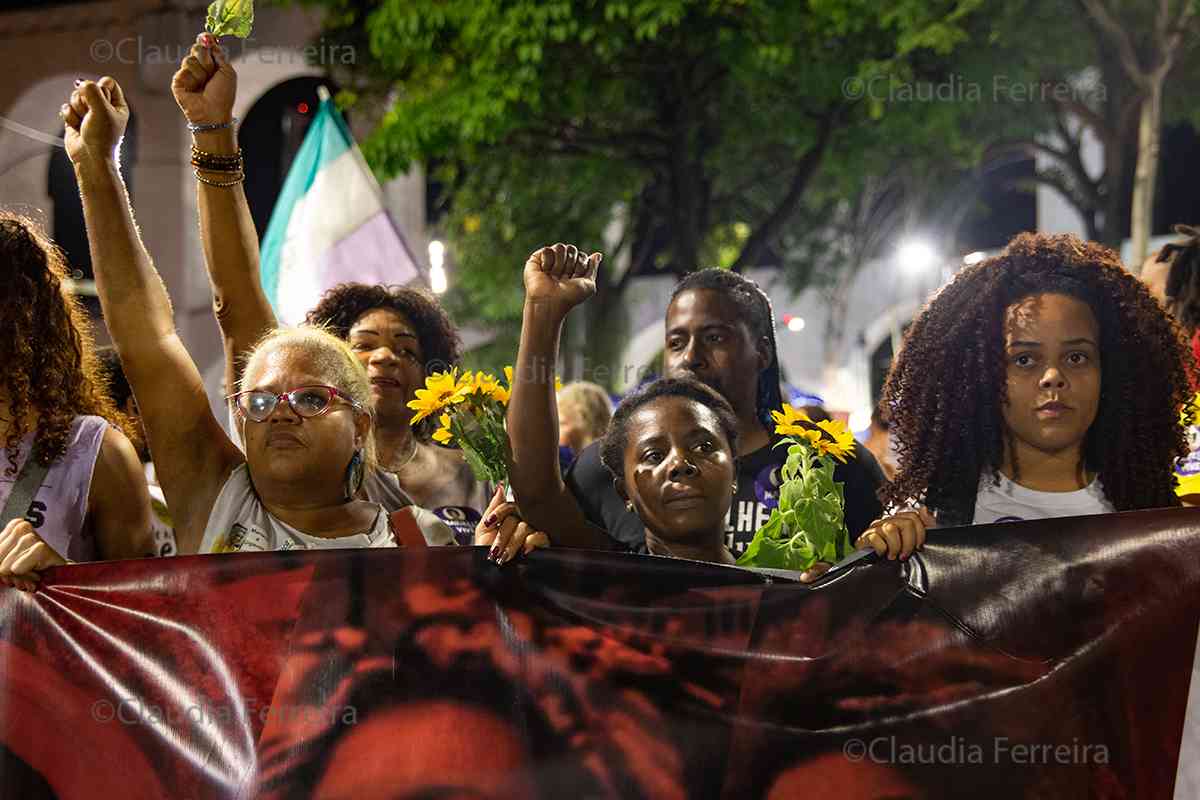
(217, 162)
(238, 178)
(211, 126)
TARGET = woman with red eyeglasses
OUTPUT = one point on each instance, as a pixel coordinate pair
(302, 406)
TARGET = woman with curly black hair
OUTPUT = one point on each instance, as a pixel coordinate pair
(91, 502)
(1044, 382)
(400, 335)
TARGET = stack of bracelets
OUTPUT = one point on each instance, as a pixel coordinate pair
(231, 166)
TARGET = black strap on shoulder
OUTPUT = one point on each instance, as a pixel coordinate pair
(25, 487)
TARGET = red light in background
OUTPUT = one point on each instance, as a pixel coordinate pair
(302, 107)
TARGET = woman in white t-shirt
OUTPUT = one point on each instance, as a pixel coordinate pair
(1045, 382)
(303, 405)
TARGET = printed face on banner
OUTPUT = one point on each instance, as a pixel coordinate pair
(679, 469)
(1052, 351)
(387, 345)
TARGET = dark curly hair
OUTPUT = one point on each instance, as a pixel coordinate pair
(51, 374)
(441, 346)
(342, 305)
(755, 309)
(1183, 280)
(612, 446)
(946, 391)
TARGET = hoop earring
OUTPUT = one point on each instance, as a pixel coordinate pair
(355, 473)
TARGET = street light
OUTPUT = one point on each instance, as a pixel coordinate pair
(916, 256)
(794, 324)
(437, 272)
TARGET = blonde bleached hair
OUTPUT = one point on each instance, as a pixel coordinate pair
(334, 362)
(591, 403)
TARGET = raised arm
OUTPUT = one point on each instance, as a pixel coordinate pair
(205, 87)
(191, 452)
(557, 279)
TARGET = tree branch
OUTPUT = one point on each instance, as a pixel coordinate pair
(1171, 45)
(768, 229)
(1120, 39)
(1085, 114)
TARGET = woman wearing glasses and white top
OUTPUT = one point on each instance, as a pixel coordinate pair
(302, 407)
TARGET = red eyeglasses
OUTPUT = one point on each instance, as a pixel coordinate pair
(257, 405)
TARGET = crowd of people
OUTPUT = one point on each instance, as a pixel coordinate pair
(1046, 381)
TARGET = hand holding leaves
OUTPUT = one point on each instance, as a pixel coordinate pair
(230, 18)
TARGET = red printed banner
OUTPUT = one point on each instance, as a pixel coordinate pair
(1048, 659)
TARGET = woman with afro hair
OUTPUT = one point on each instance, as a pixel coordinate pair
(91, 502)
(1044, 382)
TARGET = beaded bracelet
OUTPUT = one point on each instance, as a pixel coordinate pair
(238, 178)
(204, 127)
(216, 162)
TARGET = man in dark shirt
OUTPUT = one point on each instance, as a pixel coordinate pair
(720, 331)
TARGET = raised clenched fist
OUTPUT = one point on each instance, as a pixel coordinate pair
(94, 120)
(562, 275)
(205, 85)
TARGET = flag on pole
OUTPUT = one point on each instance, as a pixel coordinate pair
(330, 224)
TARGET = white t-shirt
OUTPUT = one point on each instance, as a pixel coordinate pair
(240, 523)
(383, 488)
(161, 524)
(1011, 502)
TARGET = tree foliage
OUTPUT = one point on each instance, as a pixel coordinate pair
(714, 132)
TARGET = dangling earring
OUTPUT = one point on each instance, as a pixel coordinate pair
(629, 506)
(355, 472)
(735, 487)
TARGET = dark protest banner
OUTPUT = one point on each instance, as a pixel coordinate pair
(1048, 659)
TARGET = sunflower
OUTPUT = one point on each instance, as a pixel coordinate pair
(441, 390)
(443, 435)
(842, 445)
(485, 384)
(786, 422)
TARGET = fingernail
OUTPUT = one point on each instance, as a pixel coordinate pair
(490, 521)
(495, 551)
